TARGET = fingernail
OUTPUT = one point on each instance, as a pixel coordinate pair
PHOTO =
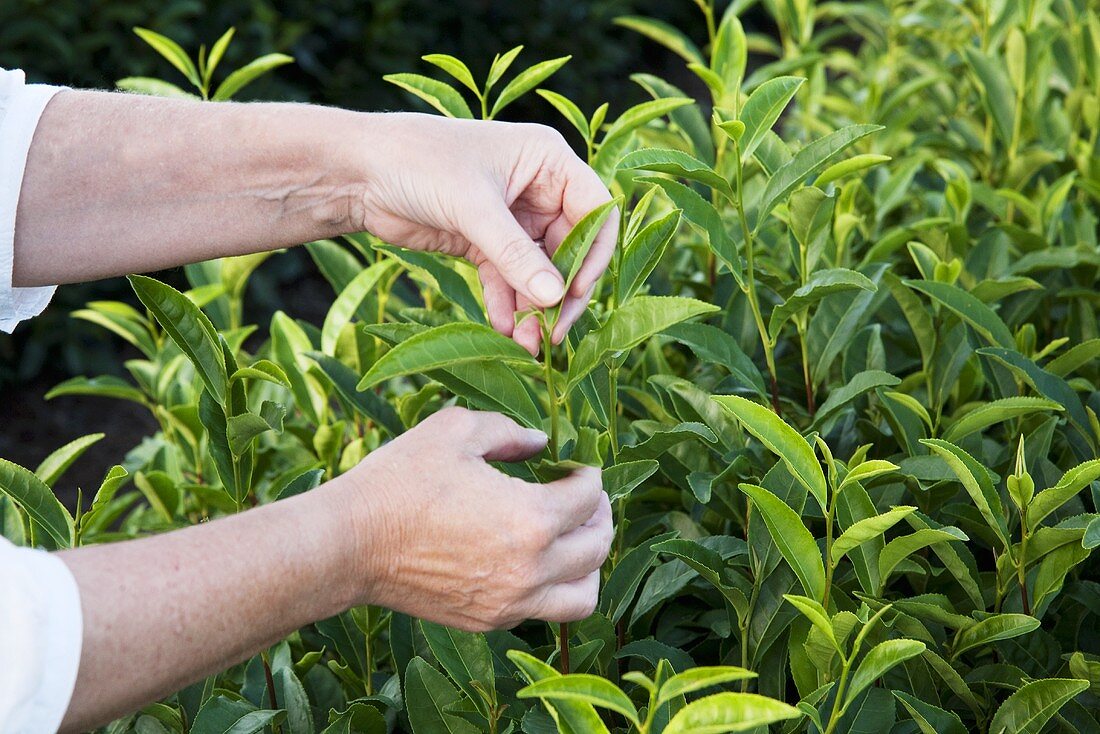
(537, 435)
(546, 287)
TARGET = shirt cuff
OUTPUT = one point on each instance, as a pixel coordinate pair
(18, 121)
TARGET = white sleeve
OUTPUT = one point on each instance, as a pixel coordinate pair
(21, 105)
(41, 628)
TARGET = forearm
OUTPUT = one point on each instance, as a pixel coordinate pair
(162, 612)
(119, 183)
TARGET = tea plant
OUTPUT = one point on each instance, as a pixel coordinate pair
(840, 377)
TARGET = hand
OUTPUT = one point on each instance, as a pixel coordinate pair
(453, 540)
(502, 195)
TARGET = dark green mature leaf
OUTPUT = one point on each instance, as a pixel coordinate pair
(466, 658)
(822, 283)
(975, 313)
(711, 344)
(991, 629)
(781, 440)
(439, 95)
(366, 402)
(222, 715)
(792, 538)
(629, 326)
(997, 92)
(931, 719)
(291, 696)
(623, 478)
(38, 501)
(977, 483)
(860, 384)
(189, 328)
(442, 347)
(428, 699)
(1029, 709)
(441, 272)
(805, 163)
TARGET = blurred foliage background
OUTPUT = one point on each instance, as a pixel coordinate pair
(342, 49)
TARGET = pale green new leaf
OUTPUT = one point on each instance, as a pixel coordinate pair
(853, 165)
(525, 81)
(171, 51)
(817, 615)
(793, 539)
(867, 529)
(729, 712)
(821, 284)
(630, 325)
(976, 481)
(568, 109)
(590, 689)
(763, 108)
(781, 440)
(997, 411)
(1072, 482)
(570, 254)
(153, 87)
(54, 465)
(898, 549)
(455, 68)
(249, 73)
(347, 303)
(699, 678)
(668, 36)
(439, 95)
(442, 347)
(879, 660)
(571, 715)
(643, 252)
(967, 307)
(677, 163)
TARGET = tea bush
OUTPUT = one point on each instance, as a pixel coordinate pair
(841, 377)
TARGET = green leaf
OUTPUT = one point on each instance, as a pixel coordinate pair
(466, 658)
(677, 163)
(866, 471)
(976, 481)
(805, 163)
(291, 696)
(171, 51)
(930, 719)
(997, 92)
(444, 346)
(54, 465)
(641, 114)
(455, 68)
(428, 699)
(852, 165)
(442, 273)
(217, 51)
(1029, 709)
(763, 108)
(867, 529)
(641, 255)
(262, 369)
(793, 539)
(572, 715)
(699, 678)
(882, 657)
(991, 629)
(967, 307)
(704, 216)
(663, 33)
(994, 412)
(222, 715)
(568, 109)
(898, 549)
(242, 429)
(1072, 482)
(860, 384)
(711, 344)
(782, 440)
(525, 81)
(630, 325)
(153, 87)
(38, 501)
(590, 689)
(622, 479)
(347, 303)
(501, 64)
(817, 615)
(249, 73)
(570, 255)
(706, 562)
(729, 712)
(189, 328)
(439, 95)
(822, 283)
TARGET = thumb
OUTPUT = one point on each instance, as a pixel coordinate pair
(520, 261)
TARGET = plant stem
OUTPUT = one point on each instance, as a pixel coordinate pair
(271, 700)
(563, 644)
(551, 391)
(1021, 573)
(838, 710)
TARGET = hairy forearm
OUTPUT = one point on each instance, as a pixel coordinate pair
(162, 612)
(119, 183)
